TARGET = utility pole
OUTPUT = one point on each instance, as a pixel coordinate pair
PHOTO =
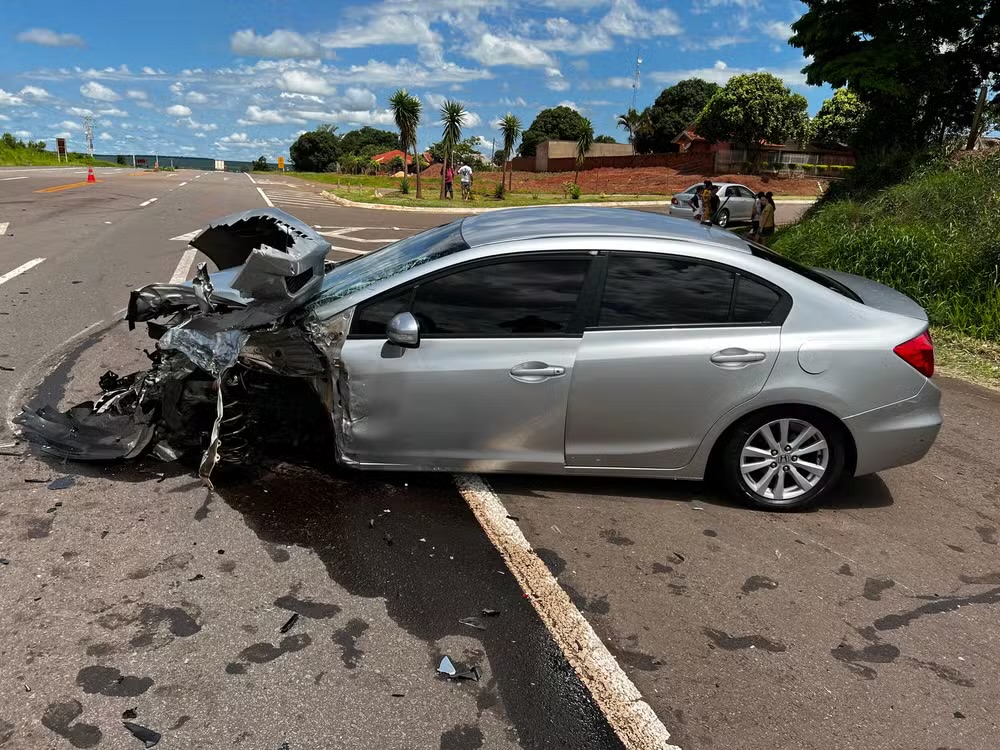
(977, 119)
(88, 132)
(635, 82)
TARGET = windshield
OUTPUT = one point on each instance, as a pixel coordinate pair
(392, 259)
(759, 251)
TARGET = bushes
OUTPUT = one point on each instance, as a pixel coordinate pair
(404, 185)
(935, 237)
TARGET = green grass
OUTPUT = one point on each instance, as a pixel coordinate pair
(968, 358)
(480, 200)
(25, 157)
(934, 236)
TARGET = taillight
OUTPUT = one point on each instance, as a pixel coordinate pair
(918, 353)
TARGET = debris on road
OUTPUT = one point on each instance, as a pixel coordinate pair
(4, 561)
(6, 368)
(62, 483)
(196, 577)
(512, 518)
(144, 734)
(448, 668)
(289, 624)
(129, 713)
(491, 613)
(473, 622)
(38, 481)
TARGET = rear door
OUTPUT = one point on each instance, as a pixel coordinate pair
(739, 202)
(675, 343)
(487, 388)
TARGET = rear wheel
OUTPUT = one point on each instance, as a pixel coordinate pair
(783, 459)
(723, 218)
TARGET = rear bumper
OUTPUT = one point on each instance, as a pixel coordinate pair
(897, 434)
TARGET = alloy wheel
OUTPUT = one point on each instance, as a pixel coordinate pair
(784, 459)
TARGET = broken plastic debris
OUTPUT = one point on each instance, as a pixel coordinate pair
(512, 518)
(290, 623)
(471, 674)
(62, 483)
(196, 577)
(446, 666)
(145, 735)
(129, 713)
(6, 368)
(491, 612)
(473, 622)
(399, 695)
(4, 561)
(38, 481)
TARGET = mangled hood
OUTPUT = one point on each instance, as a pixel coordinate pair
(269, 263)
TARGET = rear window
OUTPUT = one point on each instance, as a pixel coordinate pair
(759, 251)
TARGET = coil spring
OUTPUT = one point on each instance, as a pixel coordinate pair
(234, 442)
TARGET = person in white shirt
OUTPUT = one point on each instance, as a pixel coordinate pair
(465, 175)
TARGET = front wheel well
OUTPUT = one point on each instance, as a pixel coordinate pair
(851, 451)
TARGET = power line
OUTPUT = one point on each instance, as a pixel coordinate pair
(88, 134)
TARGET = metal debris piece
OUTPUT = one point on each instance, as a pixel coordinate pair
(4, 561)
(513, 518)
(6, 368)
(470, 674)
(491, 612)
(38, 481)
(129, 713)
(290, 623)
(399, 695)
(473, 622)
(62, 483)
(446, 667)
(196, 577)
(145, 735)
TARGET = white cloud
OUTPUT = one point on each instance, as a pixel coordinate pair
(515, 102)
(349, 117)
(113, 112)
(304, 82)
(195, 97)
(555, 81)
(258, 116)
(200, 135)
(628, 19)
(278, 44)
(472, 120)
(23, 133)
(152, 71)
(95, 90)
(303, 97)
(69, 125)
(136, 94)
(778, 30)
(491, 49)
(10, 99)
(192, 124)
(49, 38)
(720, 73)
(235, 138)
(4, 118)
(384, 26)
(105, 137)
(436, 101)
(178, 110)
(356, 98)
(35, 92)
(620, 82)
(568, 103)
(78, 111)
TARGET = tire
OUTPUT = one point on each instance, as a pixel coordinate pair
(722, 219)
(762, 474)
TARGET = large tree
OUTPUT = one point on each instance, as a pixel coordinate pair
(554, 124)
(315, 151)
(836, 124)
(453, 116)
(357, 141)
(674, 109)
(510, 129)
(406, 112)
(751, 110)
(583, 144)
(916, 65)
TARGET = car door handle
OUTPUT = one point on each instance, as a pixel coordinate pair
(533, 372)
(736, 357)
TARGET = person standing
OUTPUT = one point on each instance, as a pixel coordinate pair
(714, 204)
(449, 180)
(758, 206)
(767, 218)
(697, 207)
(465, 174)
(706, 202)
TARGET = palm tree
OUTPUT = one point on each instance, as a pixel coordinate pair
(510, 128)
(406, 112)
(453, 116)
(583, 144)
(631, 121)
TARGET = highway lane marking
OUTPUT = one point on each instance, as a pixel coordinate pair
(337, 249)
(59, 188)
(183, 267)
(633, 720)
(264, 196)
(3, 227)
(187, 237)
(8, 179)
(182, 184)
(20, 269)
(146, 203)
(251, 177)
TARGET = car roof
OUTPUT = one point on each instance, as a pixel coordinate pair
(514, 224)
(719, 185)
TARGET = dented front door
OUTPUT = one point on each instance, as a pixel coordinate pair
(488, 385)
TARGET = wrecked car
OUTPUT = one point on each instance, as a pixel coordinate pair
(563, 340)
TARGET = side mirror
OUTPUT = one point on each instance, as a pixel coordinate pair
(404, 330)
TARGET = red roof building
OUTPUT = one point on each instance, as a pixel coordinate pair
(388, 156)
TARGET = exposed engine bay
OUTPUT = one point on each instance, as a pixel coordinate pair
(233, 370)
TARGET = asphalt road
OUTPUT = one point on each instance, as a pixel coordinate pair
(868, 624)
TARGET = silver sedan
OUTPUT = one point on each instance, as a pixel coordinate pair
(735, 203)
(576, 341)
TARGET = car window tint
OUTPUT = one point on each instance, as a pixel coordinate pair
(745, 192)
(754, 301)
(516, 298)
(374, 318)
(732, 192)
(654, 291)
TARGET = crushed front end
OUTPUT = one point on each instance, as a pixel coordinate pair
(231, 371)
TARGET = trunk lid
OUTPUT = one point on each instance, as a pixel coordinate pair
(877, 295)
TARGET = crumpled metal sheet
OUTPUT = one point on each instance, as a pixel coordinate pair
(212, 351)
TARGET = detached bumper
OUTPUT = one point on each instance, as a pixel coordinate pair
(897, 434)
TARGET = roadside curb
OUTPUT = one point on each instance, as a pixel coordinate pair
(418, 209)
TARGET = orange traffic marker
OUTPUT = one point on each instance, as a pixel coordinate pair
(90, 175)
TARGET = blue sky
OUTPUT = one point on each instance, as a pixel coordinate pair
(239, 78)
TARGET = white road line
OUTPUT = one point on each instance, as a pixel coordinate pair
(629, 715)
(264, 196)
(251, 177)
(352, 251)
(8, 179)
(146, 203)
(182, 184)
(3, 227)
(181, 272)
(20, 269)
